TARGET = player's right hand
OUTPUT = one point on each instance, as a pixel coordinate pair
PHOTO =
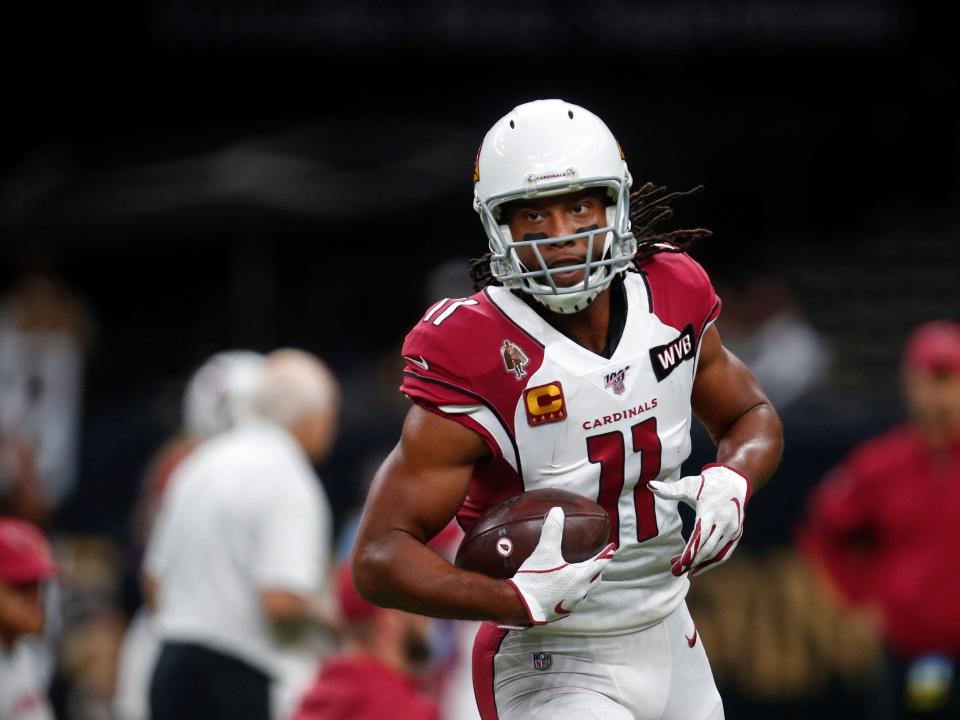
(550, 587)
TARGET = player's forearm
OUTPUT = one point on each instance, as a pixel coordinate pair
(400, 572)
(753, 444)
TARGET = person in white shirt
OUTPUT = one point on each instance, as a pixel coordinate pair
(25, 563)
(220, 394)
(241, 548)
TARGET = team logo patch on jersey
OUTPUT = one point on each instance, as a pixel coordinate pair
(667, 358)
(542, 661)
(545, 404)
(614, 381)
(514, 359)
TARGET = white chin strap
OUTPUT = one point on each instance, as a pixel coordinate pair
(575, 302)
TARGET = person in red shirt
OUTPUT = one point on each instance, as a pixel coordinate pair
(371, 678)
(26, 562)
(881, 527)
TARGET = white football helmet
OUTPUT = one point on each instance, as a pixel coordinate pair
(550, 147)
(222, 392)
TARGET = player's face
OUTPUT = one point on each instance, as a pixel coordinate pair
(934, 399)
(21, 608)
(557, 216)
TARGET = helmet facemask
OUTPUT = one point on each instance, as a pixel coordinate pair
(617, 247)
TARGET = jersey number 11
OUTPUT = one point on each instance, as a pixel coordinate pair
(609, 451)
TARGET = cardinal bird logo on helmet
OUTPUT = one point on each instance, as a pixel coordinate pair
(476, 166)
(514, 359)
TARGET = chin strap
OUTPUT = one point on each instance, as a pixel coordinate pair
(572, 303)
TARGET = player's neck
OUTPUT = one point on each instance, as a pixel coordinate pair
(588, 327)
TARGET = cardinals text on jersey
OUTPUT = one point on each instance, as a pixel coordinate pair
(555, 414)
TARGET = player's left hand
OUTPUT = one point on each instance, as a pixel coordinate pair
(718, 495)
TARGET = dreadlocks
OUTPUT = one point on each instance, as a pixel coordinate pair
(649, 207)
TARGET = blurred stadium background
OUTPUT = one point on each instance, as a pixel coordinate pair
(192, 176)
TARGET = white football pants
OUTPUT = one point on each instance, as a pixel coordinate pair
(652, 674)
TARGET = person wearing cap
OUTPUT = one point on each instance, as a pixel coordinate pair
(881, 527)
(371, 678)
(238, 557)
(25, 563)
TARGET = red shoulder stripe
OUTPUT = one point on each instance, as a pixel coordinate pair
(424, 395)
(510, 319)
(680, 291)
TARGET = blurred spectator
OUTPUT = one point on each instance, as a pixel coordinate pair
(222, 393)
(239, 552)
(86, 626)
(219, 395)
(765, 327)
(376, 411)
(372, 678)
(20, 492)
(88, 665)
(881, 527)
(44, 334)
(452, 645)
(449, 676)
(25, 668)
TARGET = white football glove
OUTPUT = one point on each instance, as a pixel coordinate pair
(718, 494)
(549, 587)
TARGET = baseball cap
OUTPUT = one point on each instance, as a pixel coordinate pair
(25, 554)
(353, 607)
(933, 347)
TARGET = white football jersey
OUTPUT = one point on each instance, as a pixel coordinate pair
(24, 676)
(555, 414)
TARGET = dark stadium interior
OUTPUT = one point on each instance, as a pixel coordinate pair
(212, 175)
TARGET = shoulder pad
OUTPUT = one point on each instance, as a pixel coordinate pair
(680, 291)
(466, 351)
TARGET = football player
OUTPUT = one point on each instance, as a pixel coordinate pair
(578, 364)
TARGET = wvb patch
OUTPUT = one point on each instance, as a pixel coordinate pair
(667, 358)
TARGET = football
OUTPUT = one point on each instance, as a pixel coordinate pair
(505, 535)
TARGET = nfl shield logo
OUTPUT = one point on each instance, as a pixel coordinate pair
(542, 661)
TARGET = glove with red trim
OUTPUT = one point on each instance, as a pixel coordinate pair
(549, 587)
(718, 495)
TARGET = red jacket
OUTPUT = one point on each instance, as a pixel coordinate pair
(884, 525)
(363, 688)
